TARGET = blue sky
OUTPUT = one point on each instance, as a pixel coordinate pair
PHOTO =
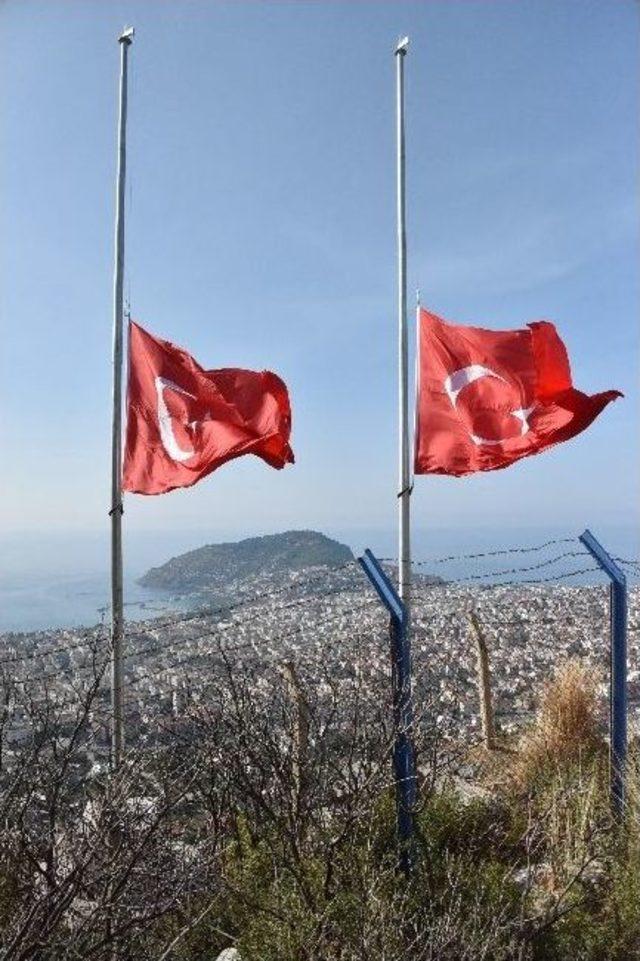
(261, 233)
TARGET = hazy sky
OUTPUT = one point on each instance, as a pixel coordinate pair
(261, 233)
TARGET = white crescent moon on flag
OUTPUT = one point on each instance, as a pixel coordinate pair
(167, 436)
(459, 379)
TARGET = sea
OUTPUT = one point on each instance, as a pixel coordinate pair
(61, 580)
(55, 580)
(48, 601)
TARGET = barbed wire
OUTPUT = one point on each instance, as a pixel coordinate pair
(252, 643)
(631, 568)
(96, 633)
(58, 703)
(544, 580)
(254, 598)
(523, 570)
(93, 690)
(93, 638)
(51, 652)
(95, 668)
(459, 612)
(222, 652)
(226, 628)
(156, 623)
(157, 648)
(464, 583)
(482, 554)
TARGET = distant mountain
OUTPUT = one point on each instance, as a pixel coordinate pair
(218, 566)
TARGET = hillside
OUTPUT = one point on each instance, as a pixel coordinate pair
(216, 566)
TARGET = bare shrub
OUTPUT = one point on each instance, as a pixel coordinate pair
(262, 816)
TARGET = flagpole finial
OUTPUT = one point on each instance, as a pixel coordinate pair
(417, 296)
(127, 35)
(403, 46)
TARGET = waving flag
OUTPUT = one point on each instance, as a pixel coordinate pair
(487, 398)
(183, 422)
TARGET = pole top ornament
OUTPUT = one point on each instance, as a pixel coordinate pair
(403, 46)
(127, 35)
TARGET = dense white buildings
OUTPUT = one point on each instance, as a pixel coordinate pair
(332, 626)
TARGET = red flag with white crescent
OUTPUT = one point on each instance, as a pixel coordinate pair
(487, 398)
(183, 421)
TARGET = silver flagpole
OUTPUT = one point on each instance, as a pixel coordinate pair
(117, 611)
(404, 477)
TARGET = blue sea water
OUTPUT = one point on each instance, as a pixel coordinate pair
(62, 580)
(53, 580)
(44, 601)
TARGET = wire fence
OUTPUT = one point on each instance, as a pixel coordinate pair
(533, 616)
(275, 710)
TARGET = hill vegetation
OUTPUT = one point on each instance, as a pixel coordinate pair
(265, 823)
(216, 567)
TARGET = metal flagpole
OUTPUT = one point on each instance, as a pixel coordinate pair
(404, 492)
(117, 611)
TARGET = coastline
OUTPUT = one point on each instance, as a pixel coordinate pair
(51, 602)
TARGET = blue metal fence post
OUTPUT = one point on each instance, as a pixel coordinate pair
(618, 682)
(403, 752)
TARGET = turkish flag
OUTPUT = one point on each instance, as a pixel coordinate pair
(487, 398)
(183, 421)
